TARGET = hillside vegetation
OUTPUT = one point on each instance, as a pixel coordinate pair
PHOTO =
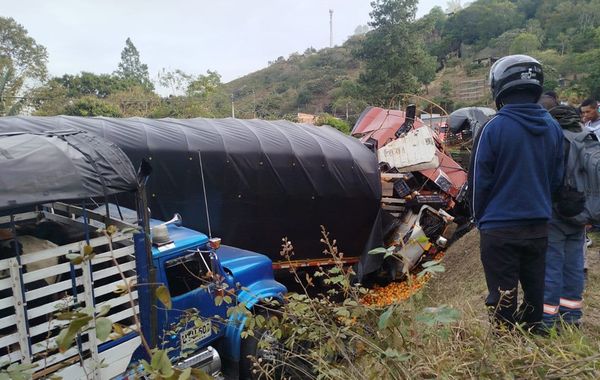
(442, 56)
(563, 35)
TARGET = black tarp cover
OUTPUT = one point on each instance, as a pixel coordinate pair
(470, 118)
(265, 180)
(62, 166)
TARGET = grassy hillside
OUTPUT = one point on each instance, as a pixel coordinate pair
(309, 82)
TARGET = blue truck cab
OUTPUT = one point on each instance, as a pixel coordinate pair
(204, 280)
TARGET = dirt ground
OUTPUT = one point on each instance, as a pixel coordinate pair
(462, 285)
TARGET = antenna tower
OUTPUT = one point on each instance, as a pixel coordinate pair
(331, 28)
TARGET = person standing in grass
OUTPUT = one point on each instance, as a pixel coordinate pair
(563, 292)
(516, 165)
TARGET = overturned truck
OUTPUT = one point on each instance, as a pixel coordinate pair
(251, 182)
(423, 204)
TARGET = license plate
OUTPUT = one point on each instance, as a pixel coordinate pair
(196, 333)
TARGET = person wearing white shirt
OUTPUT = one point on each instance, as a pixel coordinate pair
(591, 116)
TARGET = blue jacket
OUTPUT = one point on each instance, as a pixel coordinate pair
(517, 164)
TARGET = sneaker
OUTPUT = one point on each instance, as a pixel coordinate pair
(588, 242)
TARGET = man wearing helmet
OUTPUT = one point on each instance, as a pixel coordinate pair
(516, 166)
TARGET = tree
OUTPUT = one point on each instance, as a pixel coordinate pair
(453, 6)
(360, 30)
(394, 55)
(332, 121)
(22, 61)
(431, 28)
(134, 101)
(525, 43)
(132, 69)
(592, 82)
(50, 99)
(482, 21)
(92, 106)
(86, 83)
(204, 85)
(176, 81)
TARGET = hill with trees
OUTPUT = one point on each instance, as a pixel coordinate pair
(443, 56)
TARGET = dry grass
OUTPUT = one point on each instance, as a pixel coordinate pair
(473, 351)
(422, 339)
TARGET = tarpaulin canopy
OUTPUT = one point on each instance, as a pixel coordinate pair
(264, 180)
(38, 168)
(470, 118)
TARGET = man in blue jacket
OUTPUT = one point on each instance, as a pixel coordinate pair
(516, 166)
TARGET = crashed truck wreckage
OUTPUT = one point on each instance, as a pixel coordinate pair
(423, 188)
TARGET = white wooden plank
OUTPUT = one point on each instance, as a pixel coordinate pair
(7, 340)
(109, 288)
(120, 300)
(3, 264)
(69, 248)
(119, 252)
(5, 283)
(12, 357)
(103, 273)
(7, 302)
(51, 289)
(124, 314)
(51, 307)
(7, 321)
(50, 345)
(45, 326)
(41, 274)
(65, 268)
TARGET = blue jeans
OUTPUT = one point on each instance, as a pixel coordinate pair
(564, 273)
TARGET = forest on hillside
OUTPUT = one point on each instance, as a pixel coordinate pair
(396, 54)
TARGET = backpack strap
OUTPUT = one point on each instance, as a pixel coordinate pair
(566, 150)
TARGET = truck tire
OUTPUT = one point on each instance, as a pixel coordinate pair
(251, 348)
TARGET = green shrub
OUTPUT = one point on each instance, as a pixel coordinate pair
(339, 124)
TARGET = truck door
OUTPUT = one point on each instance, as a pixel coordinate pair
(191, 320)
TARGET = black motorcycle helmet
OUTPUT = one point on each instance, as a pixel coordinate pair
(516, 73)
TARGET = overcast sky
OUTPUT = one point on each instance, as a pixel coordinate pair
(233, 37)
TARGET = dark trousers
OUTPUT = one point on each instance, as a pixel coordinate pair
(508, 259)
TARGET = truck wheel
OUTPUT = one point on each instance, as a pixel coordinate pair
(268, 355)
